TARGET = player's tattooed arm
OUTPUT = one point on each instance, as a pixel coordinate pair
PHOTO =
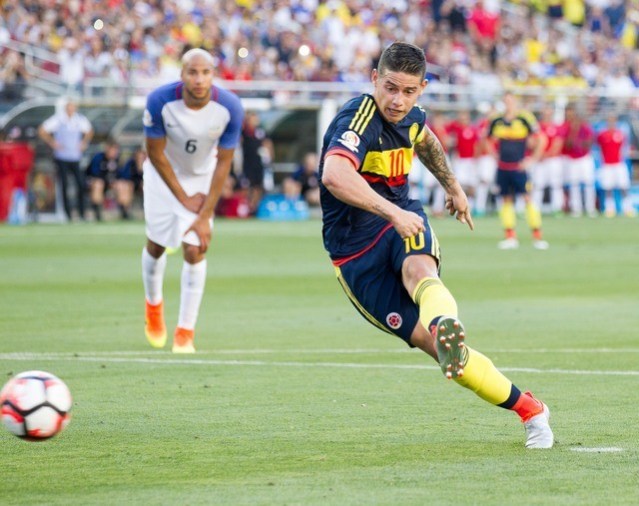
(432, 155)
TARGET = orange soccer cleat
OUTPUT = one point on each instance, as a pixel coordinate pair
(155, 329)
(183, 340)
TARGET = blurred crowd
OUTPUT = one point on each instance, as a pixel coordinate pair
(576, 43)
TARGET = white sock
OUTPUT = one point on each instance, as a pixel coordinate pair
(575, 199)
(191, 292)
(153, 276)
(557, 199)
(590, 198)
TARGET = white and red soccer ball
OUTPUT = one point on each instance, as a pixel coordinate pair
(35, 405)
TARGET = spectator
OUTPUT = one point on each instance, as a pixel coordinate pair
(256, 153)
(71, 58)
(68, 134)
(13, 76)
(304, 182)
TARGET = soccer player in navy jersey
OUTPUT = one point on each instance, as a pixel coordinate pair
(515, 131)
(385, 253)
(191, 129)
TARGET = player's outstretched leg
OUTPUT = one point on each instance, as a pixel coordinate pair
(476, 372)
(471, 369)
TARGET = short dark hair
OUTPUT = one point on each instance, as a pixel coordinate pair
(403, 57)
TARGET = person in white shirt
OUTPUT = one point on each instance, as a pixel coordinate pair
(192, 129)
(68, 134)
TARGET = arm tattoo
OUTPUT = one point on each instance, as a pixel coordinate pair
(432, 155)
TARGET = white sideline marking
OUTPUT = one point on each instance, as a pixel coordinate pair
(346, 365)
(605, 449)
(345, 351)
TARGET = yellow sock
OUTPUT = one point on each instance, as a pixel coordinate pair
(533, 216)
(508, 216)
(434, 300)
(482, 377)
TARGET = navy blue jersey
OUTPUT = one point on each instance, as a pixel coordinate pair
(513, 136)
(382, 152)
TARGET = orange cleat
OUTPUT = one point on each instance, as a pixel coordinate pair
(183, 340)
(155, 329)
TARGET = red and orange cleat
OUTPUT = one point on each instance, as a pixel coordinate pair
(183, 341)
(155, 329)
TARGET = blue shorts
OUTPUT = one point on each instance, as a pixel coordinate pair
(511, 182)
(372, 279)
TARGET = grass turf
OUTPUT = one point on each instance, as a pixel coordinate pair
(293, 398)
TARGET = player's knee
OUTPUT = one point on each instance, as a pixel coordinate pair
(416, 268)
(154, 249)
(192, 253)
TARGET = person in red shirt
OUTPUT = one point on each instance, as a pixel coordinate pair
(614, 173)
(483, 26)
(548, 173)
(464, 139)
(580, 165)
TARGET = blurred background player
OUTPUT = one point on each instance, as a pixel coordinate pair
(464, 141)
(614, 174)
(516, 130)
(548, 172)
(101, 173)
(304, 182)
(129, 181)
(434, 195)
(191, 129)
(580, 164)
(257, 151)
(486, 162)
(68, 134)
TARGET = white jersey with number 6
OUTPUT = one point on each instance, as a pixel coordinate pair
(192, 140)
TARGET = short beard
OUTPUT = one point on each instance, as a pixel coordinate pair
(193, 100)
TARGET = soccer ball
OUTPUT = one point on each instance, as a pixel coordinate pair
(35, 405)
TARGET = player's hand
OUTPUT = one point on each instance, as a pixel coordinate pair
(458, 206)
(408, 224)
(194, 202)
(202, 228)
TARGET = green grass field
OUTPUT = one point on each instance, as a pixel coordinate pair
(293, 399)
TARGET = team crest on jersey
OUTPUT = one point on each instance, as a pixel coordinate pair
(147, 119)
(394, 320)
(351, 140)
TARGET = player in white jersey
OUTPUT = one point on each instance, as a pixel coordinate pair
(191, 129)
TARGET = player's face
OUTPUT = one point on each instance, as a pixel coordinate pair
(197, 76)
(396, 93)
